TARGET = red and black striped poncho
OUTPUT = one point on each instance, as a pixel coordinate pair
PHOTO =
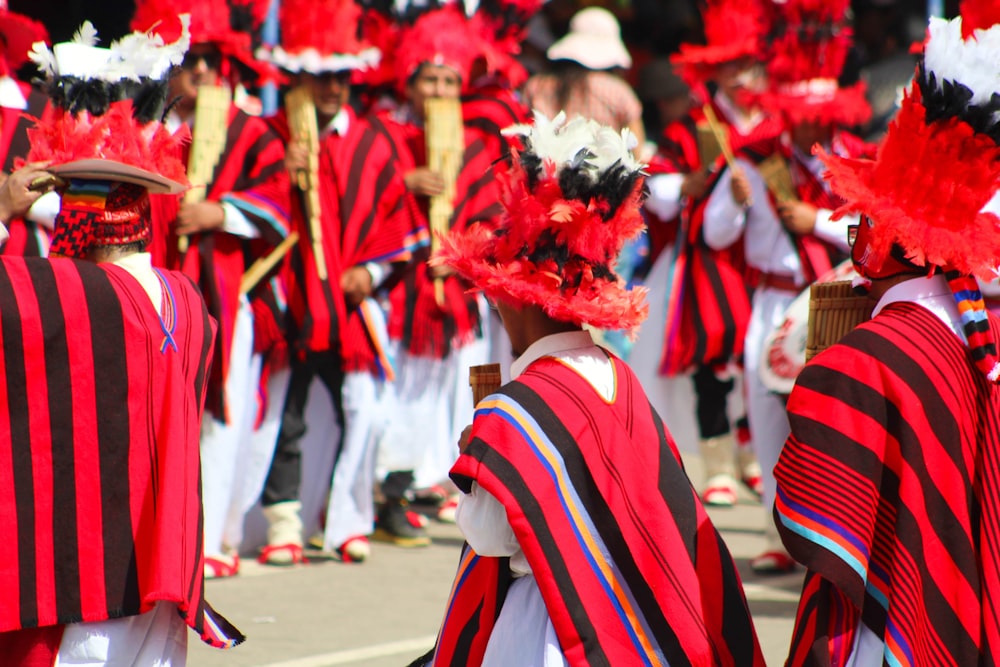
(100, 493)
(250, 175)
(710, 311)
(415, 319)
(889, 492)
(365, 217)
(630, 567)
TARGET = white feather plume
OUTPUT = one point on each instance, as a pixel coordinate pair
(145, 55)
(86, 35)
(579, 140)
(973, 62)
(44, 59)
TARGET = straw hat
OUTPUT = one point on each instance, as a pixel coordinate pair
(594, 40)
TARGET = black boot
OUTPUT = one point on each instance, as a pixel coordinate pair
(394, 526)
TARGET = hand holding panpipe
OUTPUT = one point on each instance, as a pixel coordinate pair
(722, 137)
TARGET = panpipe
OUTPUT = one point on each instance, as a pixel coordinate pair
(834, 310)
(484, 380)
(305, 130)
(778, 177)
(265, 264)
(445, 140)
(208, 140)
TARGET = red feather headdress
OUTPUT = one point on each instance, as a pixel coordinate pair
(734, 29)
(978, 15)
(809, 44)
(226, 24)
(571, 194)
(17, 34)
(439, 37)
(936, 168)
(322, 36)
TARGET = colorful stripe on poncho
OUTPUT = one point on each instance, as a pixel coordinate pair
(630, 567)
(889, 489)
(99, 468)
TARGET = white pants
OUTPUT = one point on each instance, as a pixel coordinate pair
(225, 448)
(157, 638)
(431, 405)
(351, 509)
(766, 411)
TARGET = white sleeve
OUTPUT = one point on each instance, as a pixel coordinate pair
(724, 218)
(4, 234)
(235, 223)
(45, 209)
(483, 521)
(664, 199)
(834, 231)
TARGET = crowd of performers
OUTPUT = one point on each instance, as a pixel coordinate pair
(322, 279)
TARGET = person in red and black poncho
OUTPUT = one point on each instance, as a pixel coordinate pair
(242, 216)
(889, 485)
(337, 332)
(103, 376)
(587, 544)
(433, 343)
(788, 237)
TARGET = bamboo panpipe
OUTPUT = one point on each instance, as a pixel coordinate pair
(263, 265)
(445, 140)
(834, 310)
(302, 123)
(208, 140)
(484, 380)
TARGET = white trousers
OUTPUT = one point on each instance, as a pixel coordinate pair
(766, 411)
(225, 447)
(350, 511)
(157, 638)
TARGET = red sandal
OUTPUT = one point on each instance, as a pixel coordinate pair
(282, 554)
(222, 567)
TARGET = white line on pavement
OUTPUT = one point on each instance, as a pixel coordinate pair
(414, 646)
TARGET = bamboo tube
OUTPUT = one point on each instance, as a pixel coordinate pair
(302, 123)
(208, 140)
(834, 310)
(263, 265)
(484, 380)
(445, 138)
(720, 135)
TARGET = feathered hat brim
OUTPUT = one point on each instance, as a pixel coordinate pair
(603, 304)
(845, 107)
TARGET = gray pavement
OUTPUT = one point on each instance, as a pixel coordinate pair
(385, 612)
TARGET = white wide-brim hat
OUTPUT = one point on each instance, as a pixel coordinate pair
(594, 40)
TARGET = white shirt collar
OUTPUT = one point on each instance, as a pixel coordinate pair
(340, 123)
(549, 346)
(932, 293)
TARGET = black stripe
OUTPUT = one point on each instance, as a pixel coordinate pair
(60, 404)
(234, 132)
(114, 434)
(604, 520)
(510, 476)
(360, 154)
(17, 410)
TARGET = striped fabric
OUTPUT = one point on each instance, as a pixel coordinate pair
(251, 175)
(364, 218)
(99, 466)
(631, 569)
(975, 323)
(889, 489)
(425, 328)
(709, 301)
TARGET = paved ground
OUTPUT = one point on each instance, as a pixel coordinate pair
(386, 611)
